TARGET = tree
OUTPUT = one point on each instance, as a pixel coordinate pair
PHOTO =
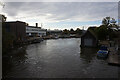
(78, 31)
(3, 18)
(106, 21)
(101, 32)
(65, 31)
(113, 24)
(72, 31)
(109, 23)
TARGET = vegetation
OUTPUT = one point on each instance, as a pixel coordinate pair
(101, 32)
(71, 31)
(105, 30)
(3, 18)
(109, 22)
(78, 31)
(65, 31)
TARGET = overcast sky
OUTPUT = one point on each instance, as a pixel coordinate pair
(60, 15)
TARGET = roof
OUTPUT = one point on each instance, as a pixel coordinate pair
(36, 27)
(14, 21)
(33, 27)
(54, 30)
(90, 30)
(93, 33)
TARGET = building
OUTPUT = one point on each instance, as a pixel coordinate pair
(54, 32)
(89, 39)
(16, 28)
(35, 31)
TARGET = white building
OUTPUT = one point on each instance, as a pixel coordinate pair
(33, 31)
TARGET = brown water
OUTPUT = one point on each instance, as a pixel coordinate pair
(60, 58)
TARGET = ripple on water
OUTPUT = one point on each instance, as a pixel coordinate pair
(62, 58)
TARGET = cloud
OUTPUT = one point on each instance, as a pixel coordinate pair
(84, 11)
(60, 11)
(60, 0)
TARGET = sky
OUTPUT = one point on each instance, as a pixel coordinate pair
(60, 15)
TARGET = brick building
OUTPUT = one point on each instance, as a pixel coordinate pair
(16, 28)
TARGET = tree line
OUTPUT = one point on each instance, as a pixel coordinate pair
(72, 31)
(107, 30)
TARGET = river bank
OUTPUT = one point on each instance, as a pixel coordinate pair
(114, 57)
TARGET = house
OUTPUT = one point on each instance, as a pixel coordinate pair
(89, 39)
(35, 31)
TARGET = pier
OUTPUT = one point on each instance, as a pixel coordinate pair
(113, 58)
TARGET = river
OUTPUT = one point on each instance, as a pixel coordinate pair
(59, 58)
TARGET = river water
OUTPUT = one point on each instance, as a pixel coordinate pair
(59, 58)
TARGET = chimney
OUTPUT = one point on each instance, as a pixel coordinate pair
(36, 24)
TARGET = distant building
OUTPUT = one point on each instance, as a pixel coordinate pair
(35, 31)
(16, 28)
(54, 32)
(89, 39)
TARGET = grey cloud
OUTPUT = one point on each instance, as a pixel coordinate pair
(61, 0)
(82, 10)
(63, 10)
(12, 8)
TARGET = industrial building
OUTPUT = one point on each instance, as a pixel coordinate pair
(35, 31)
(16, 28)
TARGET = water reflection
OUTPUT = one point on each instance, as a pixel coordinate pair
(61, 58)
(17, 57)
(20, 54)
(87, 54)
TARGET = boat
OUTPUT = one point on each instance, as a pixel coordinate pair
(56, 37)
(103, 52)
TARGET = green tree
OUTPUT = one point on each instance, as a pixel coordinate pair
(78, 31)
(101, 32)
(109, 22)
(72, 31)
(3, 17)
(113, 24)
(105, 30)
(104, 33)
(106, 21)
(65, 31)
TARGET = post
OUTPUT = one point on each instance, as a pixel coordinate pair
(0, 46)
